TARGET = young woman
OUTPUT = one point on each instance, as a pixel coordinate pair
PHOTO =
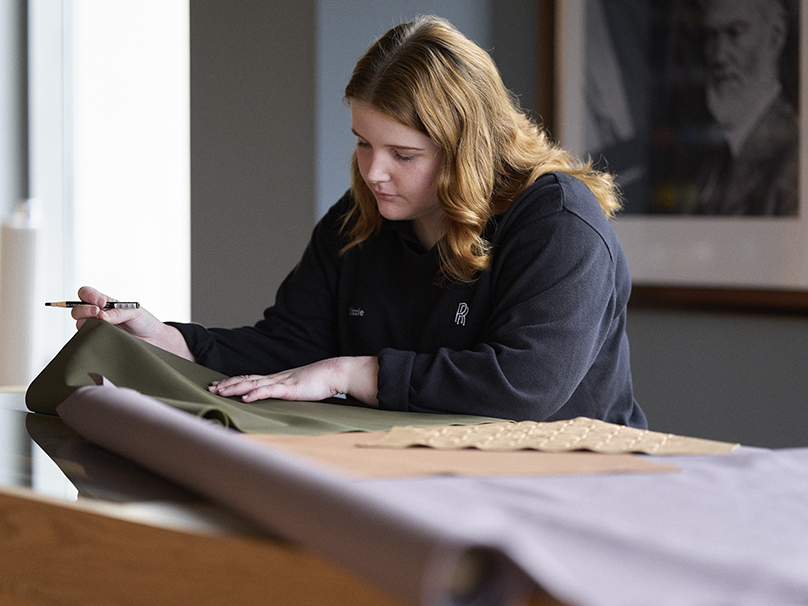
(471, 267)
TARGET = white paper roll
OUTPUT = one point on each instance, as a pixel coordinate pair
(18, 245)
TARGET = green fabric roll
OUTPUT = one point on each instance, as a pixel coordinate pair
(98, 347)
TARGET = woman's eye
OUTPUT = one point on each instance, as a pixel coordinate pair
(362, 144)
(403, 158)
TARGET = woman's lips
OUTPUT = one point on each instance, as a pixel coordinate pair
(384, 196)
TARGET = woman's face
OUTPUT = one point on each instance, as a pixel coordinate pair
(400, 166)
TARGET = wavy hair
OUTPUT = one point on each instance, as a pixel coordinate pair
(426, 75)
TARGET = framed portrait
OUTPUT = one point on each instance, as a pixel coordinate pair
(696, 106)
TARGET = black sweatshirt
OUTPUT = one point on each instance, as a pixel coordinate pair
(539, 336)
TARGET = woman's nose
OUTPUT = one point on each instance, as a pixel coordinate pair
(377, 170)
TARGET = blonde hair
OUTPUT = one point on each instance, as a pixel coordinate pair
(426, 75)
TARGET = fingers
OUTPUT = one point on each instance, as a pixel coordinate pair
(93, 296)
(277, 391)
(256, 387)
(119, 316)
(96, 300)
(315, 382)
(95, 303)
(234, 386)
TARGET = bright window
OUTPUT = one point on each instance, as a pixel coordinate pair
(111, 153)
(131, 158)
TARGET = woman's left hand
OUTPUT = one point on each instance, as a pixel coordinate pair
(353, 376)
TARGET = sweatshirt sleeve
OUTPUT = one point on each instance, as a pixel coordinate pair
(298, 329)
(554, 342)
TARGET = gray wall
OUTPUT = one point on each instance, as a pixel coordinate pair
(270, 147)
(725, 376)
(252, 152)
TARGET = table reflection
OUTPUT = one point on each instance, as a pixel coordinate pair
(97, 473)
(16, 466)
(41, 453)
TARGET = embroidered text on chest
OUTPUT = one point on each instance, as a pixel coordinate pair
(462, 312)
(356, 311)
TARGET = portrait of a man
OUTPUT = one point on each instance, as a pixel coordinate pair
(701, 115)
(755, 171)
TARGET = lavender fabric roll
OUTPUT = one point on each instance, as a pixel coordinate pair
(333, 517)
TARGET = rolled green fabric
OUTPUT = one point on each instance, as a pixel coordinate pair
(100, 348)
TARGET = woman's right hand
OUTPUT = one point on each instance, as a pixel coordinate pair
(137, 322)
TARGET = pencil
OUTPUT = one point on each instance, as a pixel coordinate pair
(109, 305)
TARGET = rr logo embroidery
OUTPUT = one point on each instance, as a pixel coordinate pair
(460, 316)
